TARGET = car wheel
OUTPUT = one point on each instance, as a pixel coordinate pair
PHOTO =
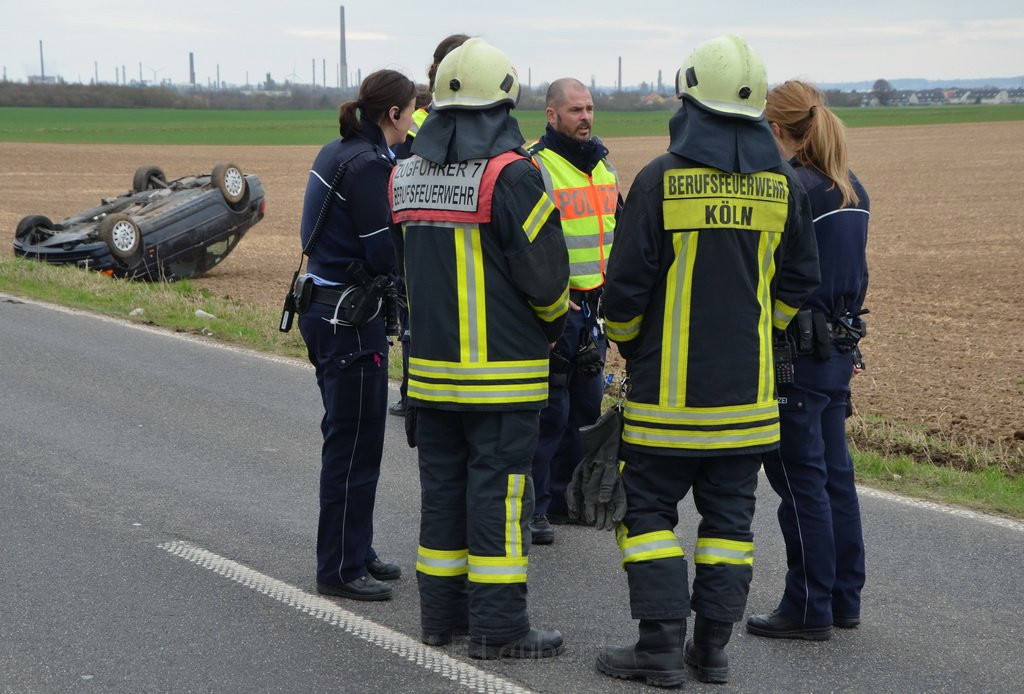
(147, 178)
(122, 235)
(230, 182)
(28, 224)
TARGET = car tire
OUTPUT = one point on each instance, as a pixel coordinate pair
(231, 183)
(122, 235)
(29, 224)
(147, 178)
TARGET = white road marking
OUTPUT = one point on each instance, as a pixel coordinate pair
(429, 658)
(942, 508)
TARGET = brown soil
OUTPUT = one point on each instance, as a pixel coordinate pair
(946, 342)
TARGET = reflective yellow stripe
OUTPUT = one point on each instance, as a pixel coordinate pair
(516, 488)
(497, 569)
(537, 217)
(712, 550)
(766, 377)
(783, 314)
(676, 331)
(442, 562)
(469, 267)
(495, 370)
(623, 331)
(555, 310)
(659, 544)
(492, 382)
(707, 428)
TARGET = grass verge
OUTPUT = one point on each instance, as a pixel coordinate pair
(894, 456)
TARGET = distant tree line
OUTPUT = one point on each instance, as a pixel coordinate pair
(289, 98)
(306, 97)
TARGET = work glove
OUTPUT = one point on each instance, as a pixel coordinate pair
(595, 493)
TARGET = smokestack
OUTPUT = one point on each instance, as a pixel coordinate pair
(620, 73)
(344, 62)
(192, 69)
(42, 67)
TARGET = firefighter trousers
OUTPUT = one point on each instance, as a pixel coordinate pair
(655, 562)
(476, 505)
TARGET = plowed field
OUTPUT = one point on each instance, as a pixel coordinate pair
(946, 342)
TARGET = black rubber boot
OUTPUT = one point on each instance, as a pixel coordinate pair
(656, 658)
(706, 650)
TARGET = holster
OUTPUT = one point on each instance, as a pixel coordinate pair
(302, 290)
(811, 334)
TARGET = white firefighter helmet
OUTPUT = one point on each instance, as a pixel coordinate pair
(726, 76)
(475, 75)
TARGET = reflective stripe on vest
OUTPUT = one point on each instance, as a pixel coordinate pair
(587, 206)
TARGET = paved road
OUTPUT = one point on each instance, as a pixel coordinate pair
(157, 520)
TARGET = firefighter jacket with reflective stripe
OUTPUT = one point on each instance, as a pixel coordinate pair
(487, 276)
(706, 263)
(588, 204)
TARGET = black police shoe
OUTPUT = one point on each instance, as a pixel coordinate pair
(777, 626)
(362, 588)
(543, 533)
(383, 570)
(399, 409)
(536, 643)
(846, 622)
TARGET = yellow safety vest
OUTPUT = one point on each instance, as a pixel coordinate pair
(587, 206)
(418, 116)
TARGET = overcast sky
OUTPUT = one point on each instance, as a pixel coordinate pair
(824, 42)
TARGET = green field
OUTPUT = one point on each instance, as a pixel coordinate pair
(207, 127)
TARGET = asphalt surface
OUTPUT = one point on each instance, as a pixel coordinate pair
(158, 503)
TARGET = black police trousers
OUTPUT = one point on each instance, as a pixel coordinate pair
(819, 512)
(352, 373)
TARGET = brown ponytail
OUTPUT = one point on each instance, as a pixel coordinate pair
(377, 94)
(799, 110)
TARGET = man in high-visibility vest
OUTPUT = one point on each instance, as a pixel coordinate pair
(585, 187)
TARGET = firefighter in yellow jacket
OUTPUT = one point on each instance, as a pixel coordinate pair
(715, 247)
(487, 276)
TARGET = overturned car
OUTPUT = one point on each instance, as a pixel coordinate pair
(159, 230)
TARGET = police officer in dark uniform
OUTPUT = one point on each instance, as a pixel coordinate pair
(812, 471)
(487, 278)
(346, 205)
(714, 247)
